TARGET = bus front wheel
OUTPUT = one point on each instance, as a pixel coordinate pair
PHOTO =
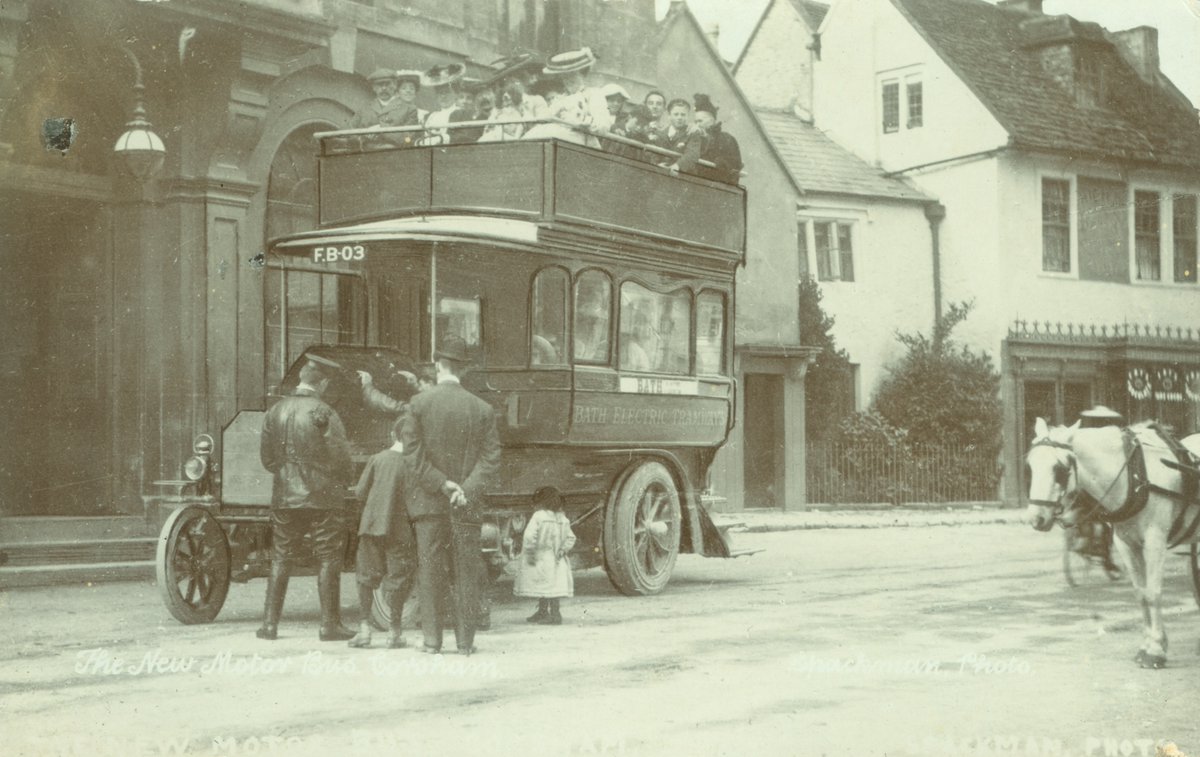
(641, 530)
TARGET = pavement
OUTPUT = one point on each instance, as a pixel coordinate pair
(872, 516)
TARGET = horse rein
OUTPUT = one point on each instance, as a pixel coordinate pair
(1056, 506)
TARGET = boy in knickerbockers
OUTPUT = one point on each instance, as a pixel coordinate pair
(386, 545)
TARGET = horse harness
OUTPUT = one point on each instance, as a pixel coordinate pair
(1139, 485)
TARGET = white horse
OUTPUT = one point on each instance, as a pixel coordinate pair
(1145, 502)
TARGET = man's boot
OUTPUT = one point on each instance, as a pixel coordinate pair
(329, 586)
(396, 604)
(366, 598)
(276, 590)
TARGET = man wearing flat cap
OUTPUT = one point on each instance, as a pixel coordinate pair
(452, 443)
(394, 103)
(710, 143)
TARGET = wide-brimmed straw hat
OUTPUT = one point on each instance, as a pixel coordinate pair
(570, 62)
(447, 73)
(513, 65)
(408, 74)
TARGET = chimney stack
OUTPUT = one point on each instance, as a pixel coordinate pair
(1029, 6)
(1140, 47)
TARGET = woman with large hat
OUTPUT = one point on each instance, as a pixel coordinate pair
(583, 106)
(445, 81)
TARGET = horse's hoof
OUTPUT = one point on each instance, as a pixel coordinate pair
(1140, 657)
(1153, 662)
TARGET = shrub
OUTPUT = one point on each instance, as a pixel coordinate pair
(828, 387)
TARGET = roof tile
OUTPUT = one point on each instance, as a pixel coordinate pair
(985, 45)
(821, 165)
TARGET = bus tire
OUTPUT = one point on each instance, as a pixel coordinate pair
(641, 530)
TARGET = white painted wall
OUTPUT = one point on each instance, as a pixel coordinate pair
(776, 69)
(893, 286)
(1034, 294)
(861, 39)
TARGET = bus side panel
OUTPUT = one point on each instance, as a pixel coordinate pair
(532, 407)
(626, 418)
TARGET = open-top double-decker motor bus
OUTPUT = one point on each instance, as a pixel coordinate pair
(595, 292)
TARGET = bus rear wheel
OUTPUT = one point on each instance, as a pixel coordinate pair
(641, 531)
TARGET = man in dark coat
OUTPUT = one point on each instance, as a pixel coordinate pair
(304, 445)
(452, 441)
(710, 143)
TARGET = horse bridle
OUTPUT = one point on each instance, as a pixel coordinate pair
(1057, 507)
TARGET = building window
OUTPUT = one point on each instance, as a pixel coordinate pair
(1056, 225)
(1185, 238)
(1146, 236)
(891, 107)
(916, 104)
(835, 251)
(548, 335)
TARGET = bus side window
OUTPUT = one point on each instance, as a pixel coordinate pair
(593, 314)
(655, 330)
(548, 332)
(710, 333)
(460, 316)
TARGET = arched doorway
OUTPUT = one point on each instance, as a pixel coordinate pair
(291, 207)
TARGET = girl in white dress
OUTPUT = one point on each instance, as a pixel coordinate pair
(545, 570)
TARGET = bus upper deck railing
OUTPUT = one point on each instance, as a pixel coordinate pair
(559, 175)
(373, 138)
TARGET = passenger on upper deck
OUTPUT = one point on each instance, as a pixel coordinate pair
(710, 144)
(615, 98)
(583, 105)
(511, 100)
(444, 80)
(675, 136)
(388, 108)
(520, 72)
(656, 104)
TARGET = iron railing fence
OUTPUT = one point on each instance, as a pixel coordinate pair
(899, 474)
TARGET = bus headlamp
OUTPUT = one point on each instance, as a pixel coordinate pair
(195, 468)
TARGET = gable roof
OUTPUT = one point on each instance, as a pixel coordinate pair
(680, 11)
(810, 11)
(985, 46)
(826, 167)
